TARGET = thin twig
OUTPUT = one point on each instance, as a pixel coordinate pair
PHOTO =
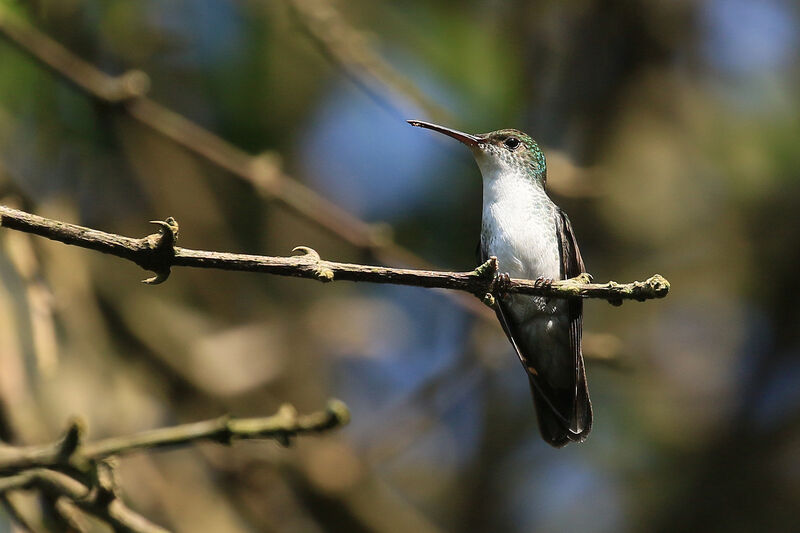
(70, 451)
(157, 252)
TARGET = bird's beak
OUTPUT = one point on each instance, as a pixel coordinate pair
(466, 138)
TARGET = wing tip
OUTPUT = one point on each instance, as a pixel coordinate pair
(562, 437)
(554, 428)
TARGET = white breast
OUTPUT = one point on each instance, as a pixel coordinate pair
(518, 225)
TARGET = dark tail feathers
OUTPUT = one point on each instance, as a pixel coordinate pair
(553, 427)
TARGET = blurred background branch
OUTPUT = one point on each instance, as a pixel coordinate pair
(349, 49)
(101, 501)
(71, 451)
(83, 473)
(263, 172)
(354, 53)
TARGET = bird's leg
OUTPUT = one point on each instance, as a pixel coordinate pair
(502, 282)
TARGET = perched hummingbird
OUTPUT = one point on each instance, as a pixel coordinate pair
(532, 238)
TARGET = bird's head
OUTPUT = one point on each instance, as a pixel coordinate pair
(500, 152)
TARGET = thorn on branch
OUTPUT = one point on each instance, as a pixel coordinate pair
(487, 270)
(321, 272)
(72, 439)
(161, 250)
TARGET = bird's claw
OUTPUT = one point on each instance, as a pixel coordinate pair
(502, 282)
(543, 282)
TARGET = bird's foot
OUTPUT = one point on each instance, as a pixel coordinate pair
(543, 282)
(501, 284)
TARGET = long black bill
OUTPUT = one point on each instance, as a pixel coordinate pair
(466, 138)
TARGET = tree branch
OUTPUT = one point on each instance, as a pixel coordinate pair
(84, 473)
(158, 253)
(71, 451)
(101, 501)
(128, 92)
(263, 173)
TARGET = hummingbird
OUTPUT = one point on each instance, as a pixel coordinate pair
(532, 238)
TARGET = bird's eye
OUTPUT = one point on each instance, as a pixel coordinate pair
(511, 143)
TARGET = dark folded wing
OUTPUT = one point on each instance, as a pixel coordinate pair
(564, 415)
(571, 266)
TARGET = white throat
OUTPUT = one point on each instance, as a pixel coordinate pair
(518, 224)
(508, 185)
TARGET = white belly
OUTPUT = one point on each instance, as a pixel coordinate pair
(524, 243)
(519, 229)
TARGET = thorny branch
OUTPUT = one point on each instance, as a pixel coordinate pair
(83, 473)
(157, 252)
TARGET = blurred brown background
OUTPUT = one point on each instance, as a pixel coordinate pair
(672, 131)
